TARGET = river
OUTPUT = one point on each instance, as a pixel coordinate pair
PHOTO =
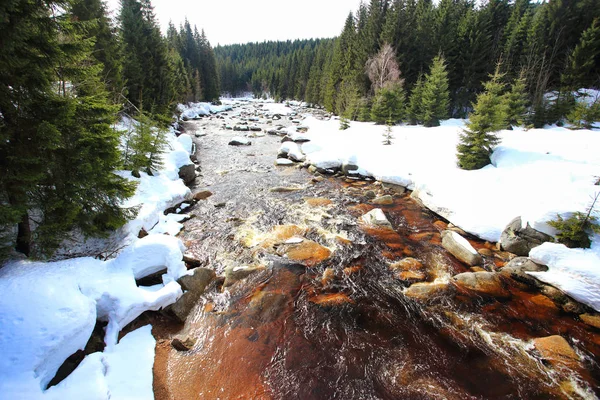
(328, 318)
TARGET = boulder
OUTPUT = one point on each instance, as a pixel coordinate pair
(407, 264)
(383, 200)
(241, 128)
(197, 279)
(517, 268)
(460, 248)
(202, 195)
(239, 141)
(483, 283)
(376, 217)
(426, 291)
(349, 168)
(283, 161)
(520, 240)
(187, 173)
(185, 344)
(591, 320)
(558, 352)
(306, 252)
(237, 273)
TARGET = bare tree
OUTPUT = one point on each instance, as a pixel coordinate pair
(383, 69)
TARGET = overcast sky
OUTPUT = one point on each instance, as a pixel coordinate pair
(242, 21)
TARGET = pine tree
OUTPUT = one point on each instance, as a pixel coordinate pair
(477, 142)
(584, 114)
(516, 102)
(388, 105)
(58, 150)
(434, 94)
(414, 106)
(584, 63)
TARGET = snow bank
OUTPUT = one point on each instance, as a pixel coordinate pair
(48, 310)
(535, 174)
(196, 110)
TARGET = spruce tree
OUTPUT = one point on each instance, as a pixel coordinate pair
(584, 63)
(516, 102)
(414, 106)
(388, 105)
(434, 94)
(478, 140)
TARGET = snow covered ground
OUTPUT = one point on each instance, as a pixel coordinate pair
(48, 310)
(535, 174)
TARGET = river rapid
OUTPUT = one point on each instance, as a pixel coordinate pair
(324, 316)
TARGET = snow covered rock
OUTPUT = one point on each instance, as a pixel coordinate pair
(376, 217)
(519, 239)
(292, 151)
(460, 248)
(239, 141)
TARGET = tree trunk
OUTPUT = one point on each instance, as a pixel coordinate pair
(24, 236)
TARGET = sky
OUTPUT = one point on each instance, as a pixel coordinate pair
(243, 21)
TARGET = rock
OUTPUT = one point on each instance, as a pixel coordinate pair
(197, 279)
(317, 201)
(483, 283)
(369, 194)
(591, 320)
(426, 291)
(407, 264)
(411, 276)
(239, 141)
(184, 305)
(281, 189)
(520, 240)
(398, 189)
(349, 168)
(555, 294)
(312, 169)
(383, 200)
(517, 268)
(328, 276)
(241, 128)
(331, 299)
(235, 274)
(255, 128)
(460, 248)
(191, 261)
(283, 162)
(202, 195)
(308, 252)
(142, 234)
(558, 352)
(187, 173)
(183, 345)
(376, 217)
(485, 252)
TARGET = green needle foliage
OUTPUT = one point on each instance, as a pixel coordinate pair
(489, 115)
(516, 102)
(388, 105)
(575, 231)
(435, 98)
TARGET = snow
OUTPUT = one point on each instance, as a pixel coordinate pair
(535, 174)
(48, 310)
(196, 110)
(292, 150)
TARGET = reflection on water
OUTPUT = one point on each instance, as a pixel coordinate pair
(343, 328)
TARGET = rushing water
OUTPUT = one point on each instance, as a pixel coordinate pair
(343, 328)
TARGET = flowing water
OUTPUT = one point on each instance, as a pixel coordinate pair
(341, 327)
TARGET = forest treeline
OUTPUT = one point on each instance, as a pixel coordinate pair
(67, 71)
(554, 46)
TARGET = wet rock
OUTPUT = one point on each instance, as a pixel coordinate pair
(187, 173)
(369, 194)
(317, 201)
(255, 128)
(239, 141)
(191, 261)
(398, 189)
(287, 189)
(460, 248)
(407, 264)
(483, 283)
(267, 306)
(307, 252)
(557, 352)
(183, 306)
(454, 228)
(591, 320)
(312, 169)
(517, 267)
(183, 345)
(284, 162)
(197, 279)
(555, 294)
(331, 299)
(383, 200)
(202, 195)
(376, 217)
(485, 252)
(241, 128)
(349, 169)
(520, 240)
(237, 273)
(328, 276)
(411, 276)
(426, 291)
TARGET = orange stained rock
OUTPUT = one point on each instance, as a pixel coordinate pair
(441, 225)
(328, 276)
(421, 236)
(557, 351)
(407, 264)
(543, 301)
(411, 276)
(343, 240)
(308, 252)
(317, 201)
(331, 299)
(352, 270)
